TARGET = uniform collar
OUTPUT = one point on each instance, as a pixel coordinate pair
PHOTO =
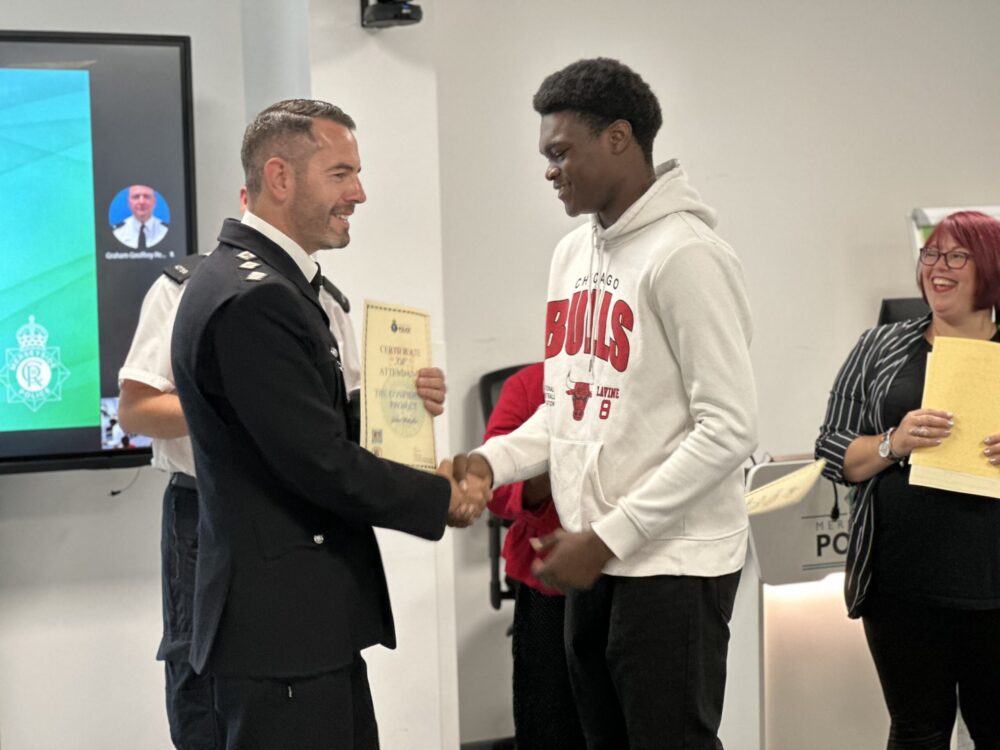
(243, 236)
(300, 257)
(135, 223)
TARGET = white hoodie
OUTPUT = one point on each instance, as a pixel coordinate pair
(648, 420)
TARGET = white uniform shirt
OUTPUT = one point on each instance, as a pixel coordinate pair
(343, 331)
(128, 232)
(148, 360)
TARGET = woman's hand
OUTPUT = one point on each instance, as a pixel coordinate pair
(992, 449)
(923, 428)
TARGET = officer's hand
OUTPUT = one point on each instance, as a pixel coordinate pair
(431, 388)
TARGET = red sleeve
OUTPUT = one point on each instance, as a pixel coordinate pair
(520, 397)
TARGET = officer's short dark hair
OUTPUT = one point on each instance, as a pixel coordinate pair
(601, 91)
(285, 129)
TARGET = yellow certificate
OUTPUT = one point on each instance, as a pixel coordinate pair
(961, 378)
(394, 422)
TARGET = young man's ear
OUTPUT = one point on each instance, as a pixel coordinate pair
(619, 135)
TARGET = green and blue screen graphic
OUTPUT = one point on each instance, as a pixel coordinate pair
(49, 328)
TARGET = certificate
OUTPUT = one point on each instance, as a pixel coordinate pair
(787, 490)
(394, 423)
(961, 378)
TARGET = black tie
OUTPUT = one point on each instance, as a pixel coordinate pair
(142, 237)
(317, 281)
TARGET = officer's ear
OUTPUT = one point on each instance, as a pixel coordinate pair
(278, 178)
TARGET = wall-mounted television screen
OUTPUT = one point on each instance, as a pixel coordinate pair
(96, 197)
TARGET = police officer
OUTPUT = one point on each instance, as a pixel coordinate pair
(149, 405)
(141, 229)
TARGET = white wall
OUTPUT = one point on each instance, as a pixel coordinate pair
(80, 612)
(813, 127)
(386, 81)
(79, 570)
(277, 66)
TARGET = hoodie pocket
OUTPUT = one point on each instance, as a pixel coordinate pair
(576, 483)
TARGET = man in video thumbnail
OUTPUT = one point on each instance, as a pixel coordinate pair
(141, 229)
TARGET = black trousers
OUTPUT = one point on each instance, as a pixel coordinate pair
(647, 660)
(190, 712)
(188, 695)
(330, 711)
(930, 660)
(545, 716)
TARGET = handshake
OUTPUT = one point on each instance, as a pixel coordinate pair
(471, 481)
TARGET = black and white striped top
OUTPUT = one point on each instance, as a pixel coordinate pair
(854, 410)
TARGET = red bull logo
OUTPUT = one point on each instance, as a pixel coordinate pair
(580, 393)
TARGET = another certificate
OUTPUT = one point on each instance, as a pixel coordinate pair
(394, 422)
(962, 379)
(787, 490)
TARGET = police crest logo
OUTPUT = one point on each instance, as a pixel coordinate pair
(33, 373)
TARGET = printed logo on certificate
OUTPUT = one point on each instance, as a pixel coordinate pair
(394, 423)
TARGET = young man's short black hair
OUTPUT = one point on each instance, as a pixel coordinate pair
(601, 91)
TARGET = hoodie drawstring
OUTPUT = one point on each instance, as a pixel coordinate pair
(593, 301)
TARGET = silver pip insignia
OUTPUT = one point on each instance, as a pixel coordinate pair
(246, 255)
(255, 275)
(249, 265)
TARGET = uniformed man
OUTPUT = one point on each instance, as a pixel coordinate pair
(290, 585)
(149, 405)
(141, 229)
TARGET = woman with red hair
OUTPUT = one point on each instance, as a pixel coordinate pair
(923, 565)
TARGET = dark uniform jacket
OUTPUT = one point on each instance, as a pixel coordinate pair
(289, 579)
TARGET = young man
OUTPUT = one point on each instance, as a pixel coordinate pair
(648, 418)
(149, 405)
(290, 586)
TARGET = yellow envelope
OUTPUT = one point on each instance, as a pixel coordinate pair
(963, 377)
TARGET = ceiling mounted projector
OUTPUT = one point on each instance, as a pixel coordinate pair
(384, 13)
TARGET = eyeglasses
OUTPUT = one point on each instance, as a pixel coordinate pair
(953, 259)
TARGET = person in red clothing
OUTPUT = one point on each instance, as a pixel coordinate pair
(545, 714)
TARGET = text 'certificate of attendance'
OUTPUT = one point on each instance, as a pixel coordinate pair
(962, 379)
(394, 422)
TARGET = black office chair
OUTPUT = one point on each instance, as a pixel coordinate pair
(895, 310)
(489, 391)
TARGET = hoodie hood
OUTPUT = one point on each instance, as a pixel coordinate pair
(671, 193)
